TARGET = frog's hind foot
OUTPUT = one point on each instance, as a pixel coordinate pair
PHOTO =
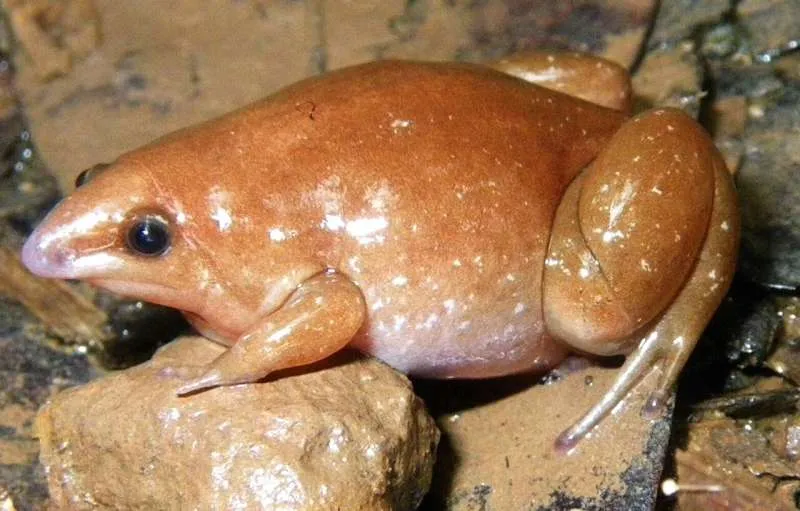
(634, 368)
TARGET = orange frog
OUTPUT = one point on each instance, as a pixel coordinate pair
(453, 220)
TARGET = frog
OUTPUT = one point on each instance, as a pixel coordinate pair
(453, 220)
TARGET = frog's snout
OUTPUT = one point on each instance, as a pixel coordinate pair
(70, 245)
(47, 258)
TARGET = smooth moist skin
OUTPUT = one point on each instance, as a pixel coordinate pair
(452, 220)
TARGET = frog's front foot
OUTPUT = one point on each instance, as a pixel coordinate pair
(317, 320)
(642, 252)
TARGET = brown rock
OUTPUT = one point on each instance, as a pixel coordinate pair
(53, 33)
(669, 77)
(346, 436)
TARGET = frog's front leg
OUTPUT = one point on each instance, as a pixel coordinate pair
(642, 252)
(316, 321)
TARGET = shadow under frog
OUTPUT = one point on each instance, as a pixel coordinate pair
(453, 220)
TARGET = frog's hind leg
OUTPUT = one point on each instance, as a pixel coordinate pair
(583, 76)
(642, 251)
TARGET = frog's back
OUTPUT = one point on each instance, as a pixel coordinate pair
(436, 184)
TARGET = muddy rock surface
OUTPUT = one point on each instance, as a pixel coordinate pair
(351, 435)
(497, 447)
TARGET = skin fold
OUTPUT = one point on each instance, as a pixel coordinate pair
(452, 220)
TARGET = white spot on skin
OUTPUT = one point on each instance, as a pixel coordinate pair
(277, 235)
(400, 280)
(552, 261)
(401, 125)
(619, 203)
(365, 228)
(380, 197)
(520, 307)
(328, 195)
(610, 236)
(431, 320)
(457, 263)
(332, 223)
(584, 273)
(656, 190)
(724, 226)
(449, 305)
(645, 265)
(218, 199)
(354, 264)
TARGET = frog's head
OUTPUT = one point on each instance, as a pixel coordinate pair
(153, 233)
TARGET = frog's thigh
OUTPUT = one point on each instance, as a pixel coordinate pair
(584, 76)
(628, 232)
(317, 320)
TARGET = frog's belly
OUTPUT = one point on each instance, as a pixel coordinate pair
(458, 328)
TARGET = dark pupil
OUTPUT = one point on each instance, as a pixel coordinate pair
(149, 237)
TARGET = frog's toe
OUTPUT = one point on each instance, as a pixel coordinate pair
(208, 380)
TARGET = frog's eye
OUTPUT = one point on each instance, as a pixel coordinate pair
(88, 174)
(149, 236)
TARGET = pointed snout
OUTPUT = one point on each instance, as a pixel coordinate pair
(41, 259)
(70, 245)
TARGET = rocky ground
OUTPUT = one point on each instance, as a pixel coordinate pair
(85, 80)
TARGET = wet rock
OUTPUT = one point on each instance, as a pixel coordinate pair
(773, 26)
(54, 34)
(669, 77)
(749, 64)
(724, 455)
(498, 451)
(30, 372)
(785, 359)
(751, 335)
(679, 19)
(769, 188)
(349, 435)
